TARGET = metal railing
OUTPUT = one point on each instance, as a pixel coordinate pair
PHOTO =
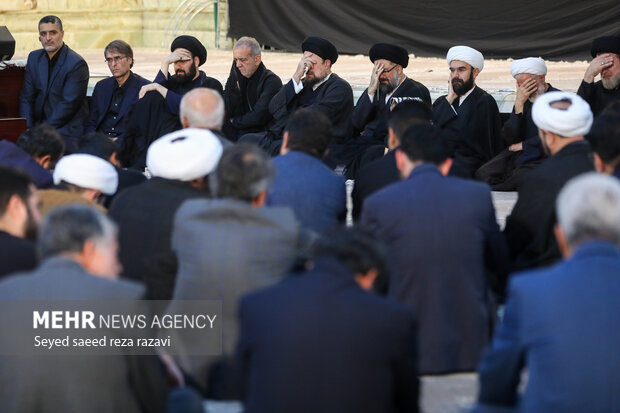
(183, 16)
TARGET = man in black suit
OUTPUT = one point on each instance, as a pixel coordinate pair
(562, 119)
(383, 171)
(19, 218)
(312, 86)
(55, 83)
(317, 342)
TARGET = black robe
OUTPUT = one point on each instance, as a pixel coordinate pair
(597, 96)
(473, 133)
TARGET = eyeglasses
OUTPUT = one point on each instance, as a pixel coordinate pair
(388, 71)
(115, 59)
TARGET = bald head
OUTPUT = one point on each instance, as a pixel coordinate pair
(202, 108)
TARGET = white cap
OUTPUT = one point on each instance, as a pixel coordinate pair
(184, 155)
(530, 65)
(87, 171)
(576, 120)
(467, 55)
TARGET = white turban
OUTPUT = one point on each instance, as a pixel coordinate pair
(574, 121)
(184, 155)
(530, 65)
(87, 171)
(467, 55)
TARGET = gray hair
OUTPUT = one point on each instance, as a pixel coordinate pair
(67, 228)
(588, 208)
(250, 42)
(243, 173)
(203, 108)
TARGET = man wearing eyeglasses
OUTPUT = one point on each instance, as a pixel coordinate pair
(55, 82)
(388, 86)
(114, 96)
(468, 114)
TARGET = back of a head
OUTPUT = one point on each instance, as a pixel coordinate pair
(309, 131)
(203, 108)
(42, 140)
(243, 173)
(588, 208)
(97, 144)
(424, 142)
(13, 182)
(604, 136)
(66, 230)
(407, 113)
(357, 248)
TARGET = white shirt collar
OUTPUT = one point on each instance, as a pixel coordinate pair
(395, 89)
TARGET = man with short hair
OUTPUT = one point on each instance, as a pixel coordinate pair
(388, 86)
(303, 182)
(560, 322)
(227, 247)
(19, 219)
(321, 341)
(203, 108)
(157, 111)
(383, 171)
(36, 151)
(505, 172)
(443, 246)
(55, 83)
(180, 163)
(468, 114)
(78, 248)
(312, 86)
(562, 120)
(114, 96)
(604, 138)
(249, 89)
(606, 63)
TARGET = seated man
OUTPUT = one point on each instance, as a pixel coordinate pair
(562, 119)
(303, 182)
(313, 86)
(114, 96)
(604, 138)
(445, 249)
(157, 113)
(388, 86)
(468, 114)
(561, 323)
(55, 84)
(82, 179)
(249, 89)
(505, 171)
(606, 63)
(36, 151)
(203, 108)
(322, 342)
(227, 247)
(19, 219)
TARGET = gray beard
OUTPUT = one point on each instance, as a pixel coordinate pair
(611, 84)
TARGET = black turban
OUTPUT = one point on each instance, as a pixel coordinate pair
(320, 47)
(389, 52)
(606, 44)
(193, 45)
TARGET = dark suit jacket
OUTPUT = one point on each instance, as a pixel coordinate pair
(145, 215)
(334, 98)
(440, 233)
(102, 95)
(16, 254)
(529, 227)
(15, 157)
(474, 133)
(61, 102)
(370, 118)
(372, 177)
(562, 324)
(315, 193)
(76, 383)
(317, 342)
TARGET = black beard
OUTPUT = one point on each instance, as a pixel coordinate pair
(308, 83)
(187, 77)
(460, 87)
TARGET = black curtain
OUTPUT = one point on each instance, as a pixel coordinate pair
(554, 30)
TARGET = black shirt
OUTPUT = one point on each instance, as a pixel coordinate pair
(108, 124)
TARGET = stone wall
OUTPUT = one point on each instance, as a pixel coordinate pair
(91, 24)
